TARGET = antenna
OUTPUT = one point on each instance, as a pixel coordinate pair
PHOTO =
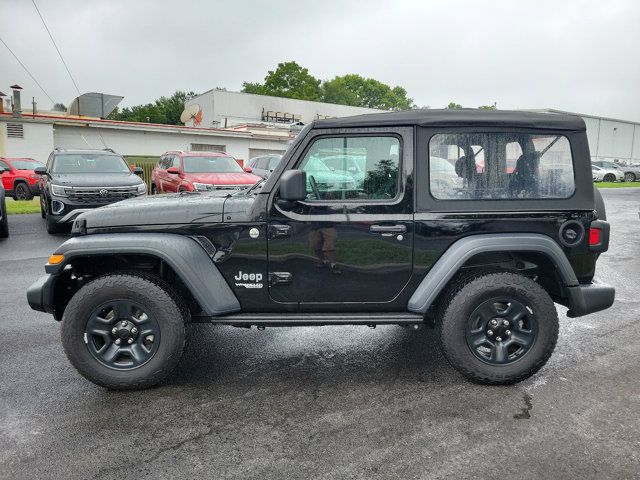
(192, 112)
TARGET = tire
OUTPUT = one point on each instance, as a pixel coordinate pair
(4, 222)
(160, 305)
(21, 191)
(609, 177)
(53, 227)
(629, 177)
(43, 214)
(154, 189)
(474, 303)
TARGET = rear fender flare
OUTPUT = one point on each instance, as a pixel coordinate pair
(462, 250)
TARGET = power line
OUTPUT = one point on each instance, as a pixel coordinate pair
(55, 45)
(27, 70)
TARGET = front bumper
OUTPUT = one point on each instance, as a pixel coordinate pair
(589, 298)
(40, 294)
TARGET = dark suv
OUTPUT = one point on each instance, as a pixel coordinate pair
(75, 181)
(475, 222)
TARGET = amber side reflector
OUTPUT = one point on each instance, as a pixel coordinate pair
(595, 236)
(56, 259)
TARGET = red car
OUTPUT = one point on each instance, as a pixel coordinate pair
(199, 171)
(20, 182)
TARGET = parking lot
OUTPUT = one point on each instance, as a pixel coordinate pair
(324, 402)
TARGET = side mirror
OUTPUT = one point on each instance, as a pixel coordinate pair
(40, 170)
(173, 170)
(248, 169)
(138, 170)
(293, 185)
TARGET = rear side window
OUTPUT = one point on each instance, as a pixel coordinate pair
(494, 166)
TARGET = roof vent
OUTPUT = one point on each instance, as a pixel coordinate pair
(96, 105)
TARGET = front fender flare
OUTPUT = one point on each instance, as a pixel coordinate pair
(462, 250)
(184, 255)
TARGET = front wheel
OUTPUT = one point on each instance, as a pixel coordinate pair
(609, 177)
(22, 192)
(124, 332)
(498, 328)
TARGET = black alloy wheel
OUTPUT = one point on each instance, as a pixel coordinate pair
(121, 335)
(501, 330)
(22, 191)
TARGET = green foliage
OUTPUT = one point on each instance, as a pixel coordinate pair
(293, 81)
(164, 110)
(289, 80)
(456, 106)
(357, 91)
(59, 107)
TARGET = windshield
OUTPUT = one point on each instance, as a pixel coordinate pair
(89, 163)
(26, 164)
(211, 165)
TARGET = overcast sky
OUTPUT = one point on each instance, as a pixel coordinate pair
(581, 56)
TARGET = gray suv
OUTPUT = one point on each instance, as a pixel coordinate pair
(263, 166)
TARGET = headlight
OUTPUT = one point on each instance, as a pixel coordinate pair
(201, 186)
(141, 189)
(58, 190)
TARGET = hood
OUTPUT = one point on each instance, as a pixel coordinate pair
(240, 178)
(96, 179)
(171, 209)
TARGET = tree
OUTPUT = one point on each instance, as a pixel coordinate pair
(59, 107)
(164, 110)
(357, 91)
(289, 80)
(488, 107)
(454, 106)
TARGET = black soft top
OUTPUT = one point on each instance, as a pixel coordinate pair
(460, 118)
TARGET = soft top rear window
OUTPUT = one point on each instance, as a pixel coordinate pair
(503, 165)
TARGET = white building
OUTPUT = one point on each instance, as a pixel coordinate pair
(219, 108)
(610, 139)
(36, 136)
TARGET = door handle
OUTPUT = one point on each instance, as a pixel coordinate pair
(388, 229)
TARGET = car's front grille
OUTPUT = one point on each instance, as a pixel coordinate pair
(97, 195)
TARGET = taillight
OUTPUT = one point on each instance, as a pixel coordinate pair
(595, 237)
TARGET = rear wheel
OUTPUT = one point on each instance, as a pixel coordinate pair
(629, 177)
(21, 191)
(499, 328)
(154, 189)
(123, 331)
(609, 177)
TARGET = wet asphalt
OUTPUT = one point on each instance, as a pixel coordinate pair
(324, 402)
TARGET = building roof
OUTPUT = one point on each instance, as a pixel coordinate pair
(459, 118)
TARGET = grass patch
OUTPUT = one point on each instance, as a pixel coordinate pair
(617, 184)
(23, 206)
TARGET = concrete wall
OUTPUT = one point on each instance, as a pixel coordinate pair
(238, 108)
(37, 142)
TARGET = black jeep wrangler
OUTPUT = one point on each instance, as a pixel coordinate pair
(476, 222)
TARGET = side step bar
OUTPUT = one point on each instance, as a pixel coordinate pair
(315, 319)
